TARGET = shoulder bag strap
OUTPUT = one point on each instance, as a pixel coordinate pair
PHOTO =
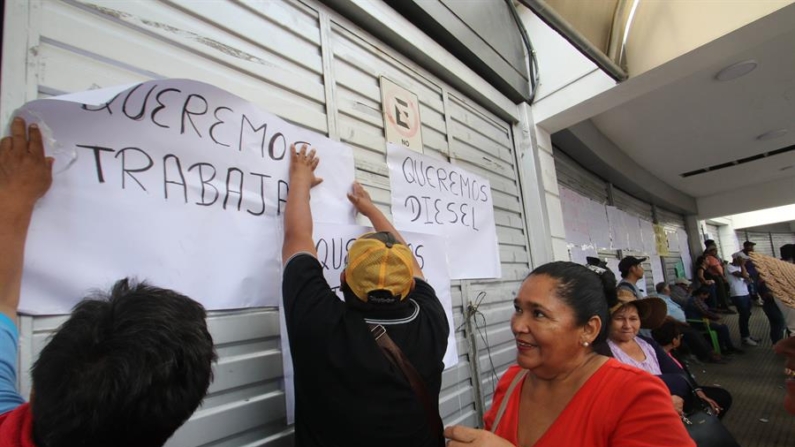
(395, 355)
(505, 398)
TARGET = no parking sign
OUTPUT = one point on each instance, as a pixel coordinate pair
(401, 110)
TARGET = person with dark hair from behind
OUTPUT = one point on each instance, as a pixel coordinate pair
(562, 392)
(347, 392)
(697, 309)
(125, 370)
(669, 337)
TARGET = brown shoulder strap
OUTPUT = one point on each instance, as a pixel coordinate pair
(395, 355)
(505, 398)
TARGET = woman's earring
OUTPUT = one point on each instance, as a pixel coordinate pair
(585, 343)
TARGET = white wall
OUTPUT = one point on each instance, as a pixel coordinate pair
(751, 198)
(664, 30)
(567, 77)
(764, 217)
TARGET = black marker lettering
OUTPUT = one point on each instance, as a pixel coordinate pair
(427, 214)
(161, 106)
(105, 106)
(337, 258)
(262, 178)
(465, 191)
(128, 171)
(429, 169)
(205, 182)
(485, 193)
(220, 121)
(441, 178)
(272, 144)
(452, 211)
(406, 172)
(166, 181)
(415, 202)
(187, 113)
(463, 214)
(279, 197)
(420, 258)
(436, 207)
(142, 112)
(229, 191)
(322, 253)
(453, 182)
(263, 128)
(97, 150)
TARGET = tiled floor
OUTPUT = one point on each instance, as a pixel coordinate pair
(755, 379)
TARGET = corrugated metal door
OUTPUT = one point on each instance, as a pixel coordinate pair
(673, 223)
(631, 205)
(573, 176)
(780, 239)
(313, 68)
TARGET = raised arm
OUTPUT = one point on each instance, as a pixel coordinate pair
(297, 213)
(361, 200)
(25, 175)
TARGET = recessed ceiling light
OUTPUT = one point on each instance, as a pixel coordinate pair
(736, 70)
(772, 134)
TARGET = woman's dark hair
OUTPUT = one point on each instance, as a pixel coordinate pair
(667, 332)
(703, 290)
(588, 292)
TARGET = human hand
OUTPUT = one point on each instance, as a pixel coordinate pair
(679, 405)
(302, 167)
(712, 404)
(25, 173)
(360, 199)
(709, 282)
(460, 436)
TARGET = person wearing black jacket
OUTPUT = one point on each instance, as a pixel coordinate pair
(668, 336)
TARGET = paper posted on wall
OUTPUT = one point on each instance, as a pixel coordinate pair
(173, 181)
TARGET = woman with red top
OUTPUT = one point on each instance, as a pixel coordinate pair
(561, 392)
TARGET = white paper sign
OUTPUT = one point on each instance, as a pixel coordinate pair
(332, 243)
(172, 181)
(433, 196)
(657, 273)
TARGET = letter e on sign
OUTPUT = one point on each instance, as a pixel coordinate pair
(401, 110)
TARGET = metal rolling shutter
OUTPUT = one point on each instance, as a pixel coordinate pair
(763, 244)
(673, 222)
(313, 68)
(575, 177)
(780, 239)
(631, 205)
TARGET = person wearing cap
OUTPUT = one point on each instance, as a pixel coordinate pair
(738, 290)
(680, 291)
(631, 269)
(347, 392)
(697, 309)
(562, 391)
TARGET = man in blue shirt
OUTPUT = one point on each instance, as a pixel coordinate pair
(693, 340)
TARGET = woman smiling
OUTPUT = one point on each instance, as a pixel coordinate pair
(561, 392)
